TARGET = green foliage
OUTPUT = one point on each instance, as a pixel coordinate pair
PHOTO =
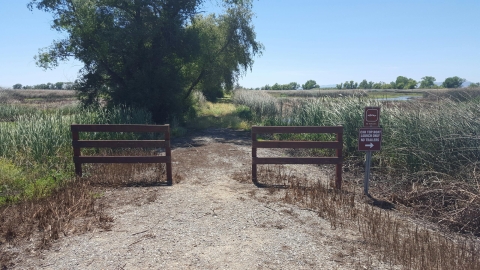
(427, 82)
(288, 86)
(12, 180)
(453, 82)
(442, 137)
(244, 113)
(261, 104)
(364, 85)
(474, 85)
(310, 84)
(371, 85)
(350, 85)
(36, 151)
(17, 86)
(405, 83)
(151, 54)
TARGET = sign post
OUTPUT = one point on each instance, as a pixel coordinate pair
(369, 139)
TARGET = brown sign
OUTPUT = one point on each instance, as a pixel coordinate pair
(370, 139)
(371, 117)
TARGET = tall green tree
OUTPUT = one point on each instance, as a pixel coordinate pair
(427, 82)
(453, 82)
(310, 84)
(363, 84)
(405, 83)
(151, 53)
(17, 86)
(59, 85)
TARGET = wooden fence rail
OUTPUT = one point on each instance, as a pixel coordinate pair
(338, 145)
(78, 144)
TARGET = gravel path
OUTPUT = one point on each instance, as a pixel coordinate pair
(207, 221)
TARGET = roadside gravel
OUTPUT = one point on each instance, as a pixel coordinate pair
(207, 220)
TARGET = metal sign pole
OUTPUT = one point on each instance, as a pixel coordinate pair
(367, 172)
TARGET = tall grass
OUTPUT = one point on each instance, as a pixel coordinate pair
(10, 113)
(430, 150)
(442, 136)
(37, 136)
(38, 145)
(262, 105)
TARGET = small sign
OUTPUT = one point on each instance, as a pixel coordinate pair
(370, 139)
(371, 118)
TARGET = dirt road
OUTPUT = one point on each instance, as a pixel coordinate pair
(208, 220)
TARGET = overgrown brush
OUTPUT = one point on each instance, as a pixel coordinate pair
(458, 95)
(425, 146)
(316, 93)
(417, 136)
(262, 105)
(388, 236)
(39, 145)
(72, 206)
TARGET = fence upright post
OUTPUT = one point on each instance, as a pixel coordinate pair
(76, 152)
(168, 153)
(338, 180)
(254, 155)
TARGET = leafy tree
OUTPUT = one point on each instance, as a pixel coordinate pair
(350, 85)
(453, 82)
(412, 84)
(310, 84)
(363, 84)
(427, 82)
(293, 86)
(276, 86)
(474, 85)
(401, 82)
(340, 86)
(59, 85)
(41, 86)
(17, 86)
(386, 86)
(378, 85)
(405, 83)
(151, 53)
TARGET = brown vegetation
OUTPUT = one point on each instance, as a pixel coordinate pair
(395, 238)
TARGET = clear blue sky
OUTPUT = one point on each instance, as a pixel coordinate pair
(327, 41)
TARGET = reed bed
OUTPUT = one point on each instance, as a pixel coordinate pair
(426, 146)
(317, 93)
(38, 145)
(417, 136)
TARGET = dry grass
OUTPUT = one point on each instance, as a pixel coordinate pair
(72, 208)
(43, 99)
(460, 95)
(392, 236)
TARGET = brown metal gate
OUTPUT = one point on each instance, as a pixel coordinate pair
(338, 145)
(78, 144)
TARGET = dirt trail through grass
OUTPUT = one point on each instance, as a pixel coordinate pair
(208, 220)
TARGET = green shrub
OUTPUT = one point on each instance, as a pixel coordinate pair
(12, 181)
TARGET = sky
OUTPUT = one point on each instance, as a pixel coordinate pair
(326, 41)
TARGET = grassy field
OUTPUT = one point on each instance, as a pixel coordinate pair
(35, 148)
(427, 166)
(430, 149)
(370, 93)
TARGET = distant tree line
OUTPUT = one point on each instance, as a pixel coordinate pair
(406, 83)
(402, 82)
(51, 86)
(310, 84)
